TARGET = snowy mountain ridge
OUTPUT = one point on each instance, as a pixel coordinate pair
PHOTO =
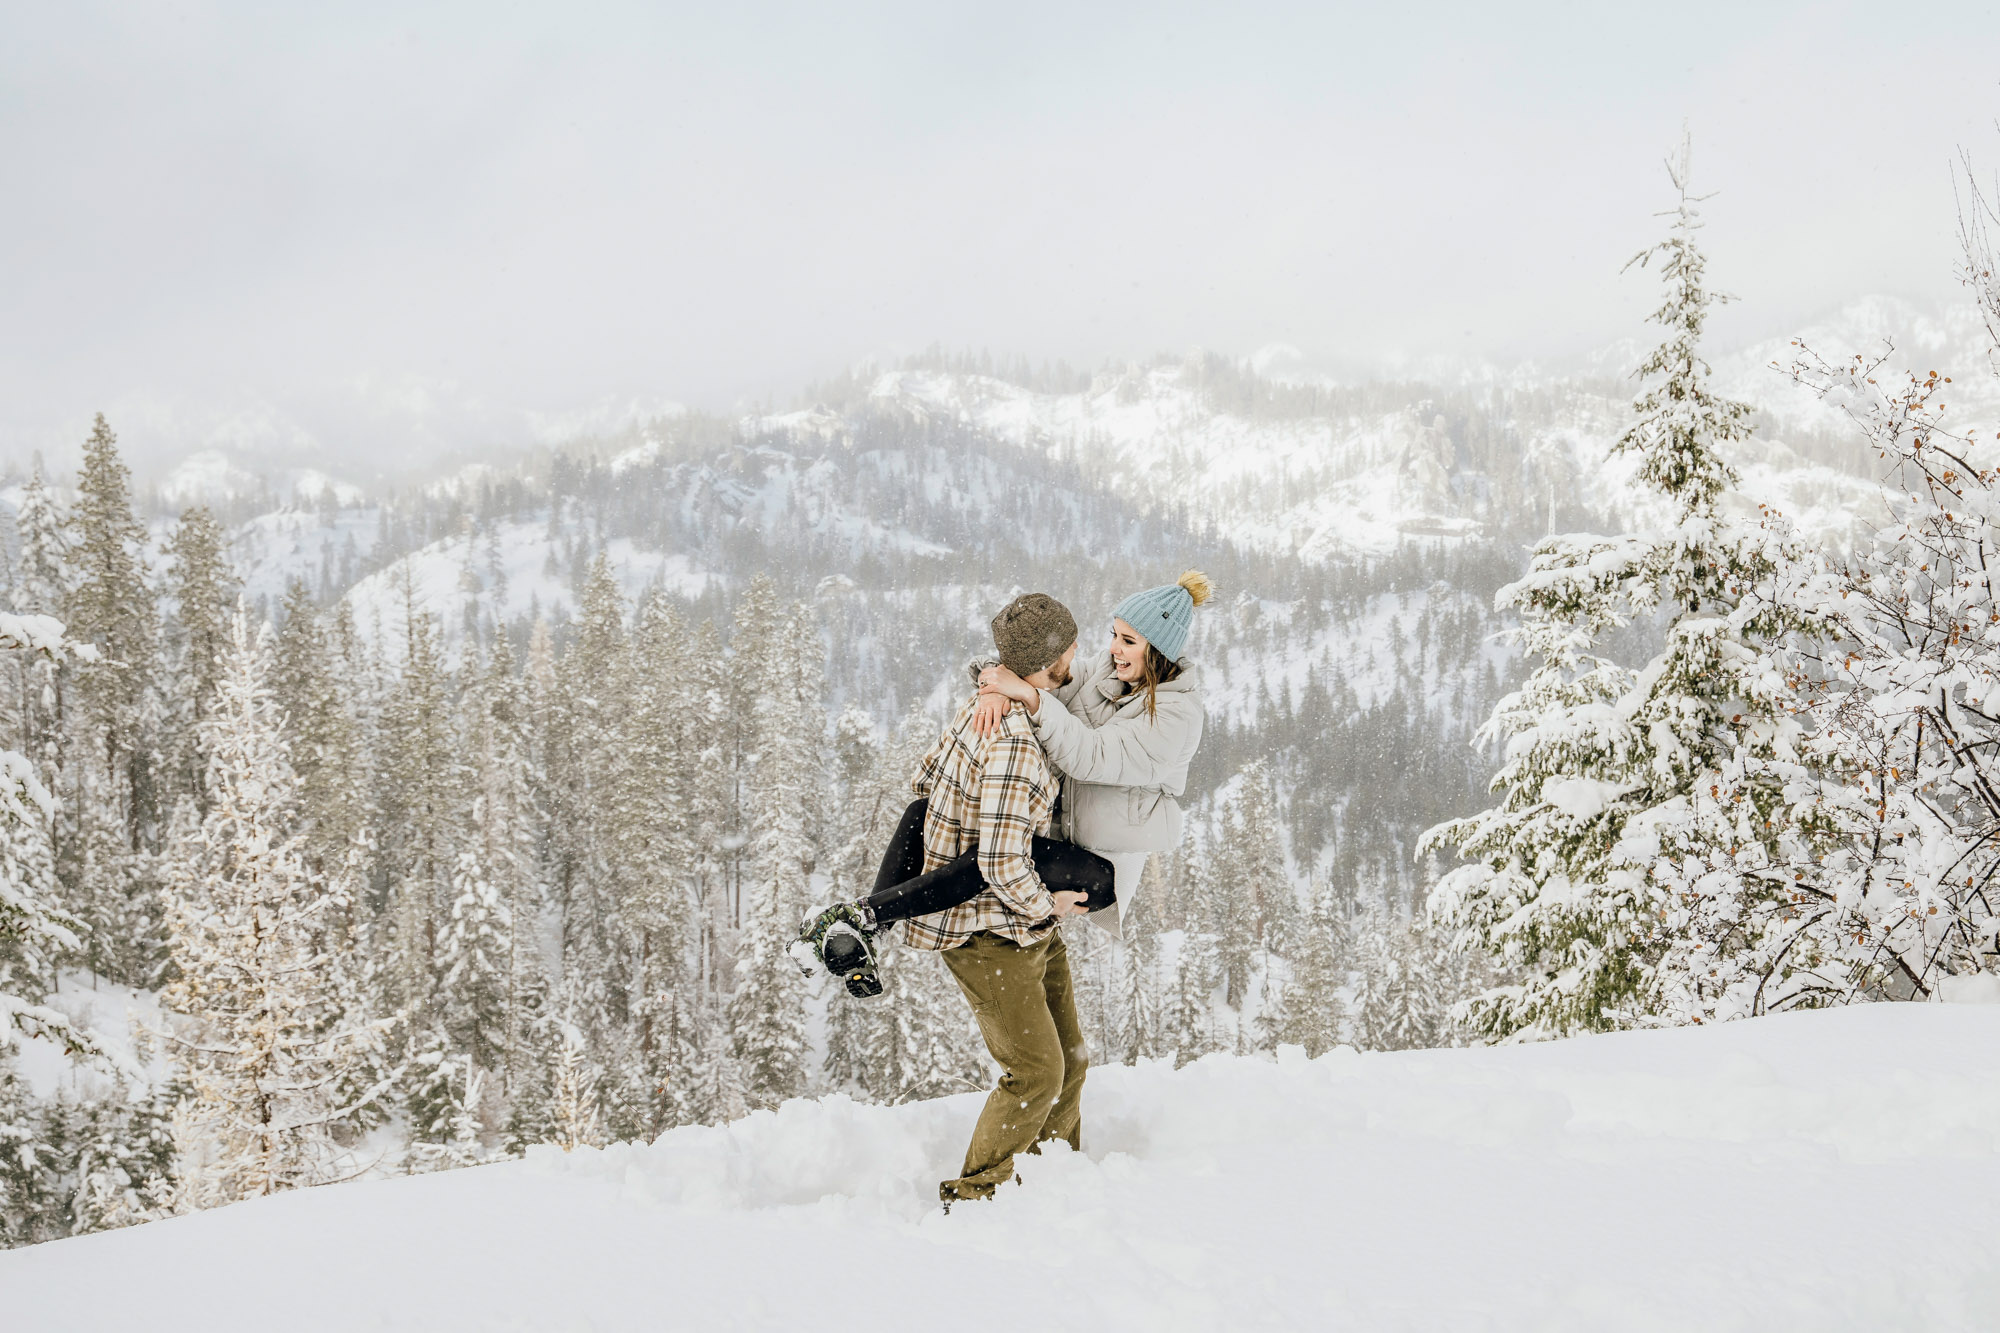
(214, 454)
(1359, 531)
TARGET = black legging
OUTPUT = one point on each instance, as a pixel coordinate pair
(902, 889)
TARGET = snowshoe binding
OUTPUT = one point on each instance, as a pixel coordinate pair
(842, 940)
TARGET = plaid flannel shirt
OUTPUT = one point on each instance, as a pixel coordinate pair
(997, 794)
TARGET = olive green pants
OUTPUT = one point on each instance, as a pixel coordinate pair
(1026, 1009)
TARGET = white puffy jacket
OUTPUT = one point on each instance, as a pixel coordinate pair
(1122, 770)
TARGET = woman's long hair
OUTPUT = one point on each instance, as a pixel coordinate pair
(1156, 672)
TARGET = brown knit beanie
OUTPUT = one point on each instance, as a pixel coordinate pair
(1032, 631)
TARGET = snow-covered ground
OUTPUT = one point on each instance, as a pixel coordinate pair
(1822, 1171)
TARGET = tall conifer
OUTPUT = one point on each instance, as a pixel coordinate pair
(1642, 809)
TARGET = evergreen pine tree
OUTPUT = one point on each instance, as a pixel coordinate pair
(41, 582)
(31, 1193)
(204, 590)
(704, 740)
(121, 1146)
(753, 651)
(767, 1012)
(313, 679)
(504, 840)
(654, 843)
(1228, 908)
(1406, 986)
(586, 758)
(42, 568)
(531, 1100)
(420, 783)
(1645, 815)
(107, 835)
(34, 932)
(717, 1094)
(1140, 1000)
(855, 751)
(251, 1040)
(1309, 1009)
(1189, 1021)
(789, 778)
(474, 960)
(1257, 861)
(442, 1092)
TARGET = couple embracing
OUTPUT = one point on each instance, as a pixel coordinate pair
(1041, 800)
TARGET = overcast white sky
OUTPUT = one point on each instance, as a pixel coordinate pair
(342, 215)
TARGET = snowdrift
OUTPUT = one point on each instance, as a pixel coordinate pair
(1817, 1171)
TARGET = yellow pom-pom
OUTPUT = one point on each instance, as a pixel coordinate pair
(1197, 585)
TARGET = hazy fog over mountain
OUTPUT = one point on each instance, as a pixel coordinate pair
(370, 238)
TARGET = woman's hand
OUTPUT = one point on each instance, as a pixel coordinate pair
(999, 680)
(992, 707)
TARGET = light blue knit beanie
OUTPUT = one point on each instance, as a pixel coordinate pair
(1164, 616)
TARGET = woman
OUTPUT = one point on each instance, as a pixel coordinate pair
(1121, 733)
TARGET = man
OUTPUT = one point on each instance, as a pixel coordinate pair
(1003, 946)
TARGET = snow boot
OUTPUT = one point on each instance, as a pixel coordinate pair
(842, 940)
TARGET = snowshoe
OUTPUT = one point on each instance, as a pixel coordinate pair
(842, 940)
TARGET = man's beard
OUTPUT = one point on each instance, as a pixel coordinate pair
(1058, 675)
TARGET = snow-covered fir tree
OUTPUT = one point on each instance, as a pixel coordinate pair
(444, 1090)
(420, 783)
(111, 812)
(42, 567)
(1223, 898)
(654, 844)
(704, 738)
(585, 752)
(251, 1035)
(501, 843)
(40, 586)
(717, 1094)
(120, 1150)
(1309, 1009)
(315, 678)
(34, 932)
(767, 1011)
(1189, 1020)
(30, 1182)
(475, 959)
(1254, 853)
(203, 588)
(1138, 982)
(1639, 864)
(1406, 986)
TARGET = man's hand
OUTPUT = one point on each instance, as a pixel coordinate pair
(985, 717)
(1070, 903)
